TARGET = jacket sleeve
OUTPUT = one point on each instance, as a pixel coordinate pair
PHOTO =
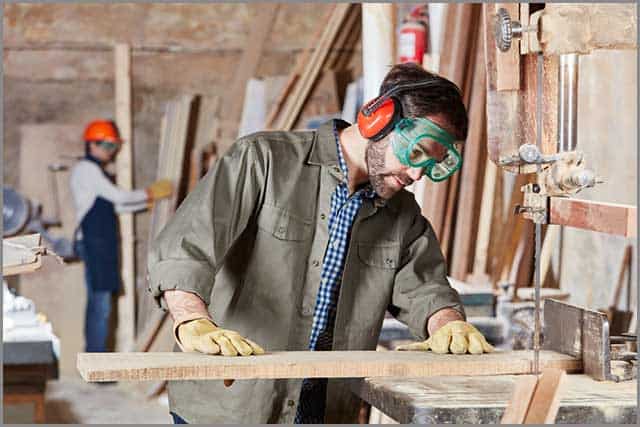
(421, 287)
(191, 248)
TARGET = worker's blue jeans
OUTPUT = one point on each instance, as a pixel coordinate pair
(97, 313)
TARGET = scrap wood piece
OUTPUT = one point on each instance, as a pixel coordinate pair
(535, 400)
(545, 401)
(22, 254)
(611, 218)
(518, 405)
(310, 364)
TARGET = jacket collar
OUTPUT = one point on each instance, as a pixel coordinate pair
(323, 148)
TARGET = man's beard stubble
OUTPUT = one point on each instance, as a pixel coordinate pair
(374, 157)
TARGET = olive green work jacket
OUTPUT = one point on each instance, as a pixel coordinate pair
(249, 240)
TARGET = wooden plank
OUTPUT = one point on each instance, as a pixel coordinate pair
(581, 28)
(524, 20)
(508, 63)
(471, 174)
(483, 234)
(124, 179)
(518, 405)
(310, 364)
(611, 218)
(546, 398)
(171, 165)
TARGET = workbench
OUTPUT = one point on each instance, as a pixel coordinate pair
(482, 400)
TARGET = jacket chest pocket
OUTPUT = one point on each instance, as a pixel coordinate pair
(385, 256)
(284, 225)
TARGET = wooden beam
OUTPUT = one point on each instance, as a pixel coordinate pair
(611, 218)
(310, 364)
(124, 179)
(582, 28)
(471, 174)
(546, 398)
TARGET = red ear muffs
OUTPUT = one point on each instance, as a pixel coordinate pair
(377, 124)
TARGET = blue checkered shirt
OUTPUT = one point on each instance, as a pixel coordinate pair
(343, 211)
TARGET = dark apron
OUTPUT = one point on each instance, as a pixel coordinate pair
(100, 246)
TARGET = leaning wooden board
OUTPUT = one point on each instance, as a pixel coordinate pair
(306, 364)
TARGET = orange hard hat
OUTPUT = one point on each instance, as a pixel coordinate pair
(102, 130)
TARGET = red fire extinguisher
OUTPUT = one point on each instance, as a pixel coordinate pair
(412, 40)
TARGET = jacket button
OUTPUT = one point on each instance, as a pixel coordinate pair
(323, 216)
(291, 403)
(388, 261)
(306, 311)
(315, 263)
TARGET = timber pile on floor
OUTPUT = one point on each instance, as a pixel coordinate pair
(311, 364)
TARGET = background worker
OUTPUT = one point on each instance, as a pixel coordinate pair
(97, 201)
(302, 241)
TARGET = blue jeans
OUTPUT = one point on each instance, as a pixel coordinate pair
(97, 313)
(177, 419)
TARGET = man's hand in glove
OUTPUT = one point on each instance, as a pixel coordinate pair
(203, 336)
(456, 337)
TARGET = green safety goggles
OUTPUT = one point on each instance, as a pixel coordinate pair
(410, 141)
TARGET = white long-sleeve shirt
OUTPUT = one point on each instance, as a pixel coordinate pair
(88, 182)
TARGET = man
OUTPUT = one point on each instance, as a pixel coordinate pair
(302, 241)
(97, 200)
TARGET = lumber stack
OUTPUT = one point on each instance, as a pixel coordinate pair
(311, 364)
(472, 213)
(339, 34)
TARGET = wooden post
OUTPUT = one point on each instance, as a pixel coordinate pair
(124, 179)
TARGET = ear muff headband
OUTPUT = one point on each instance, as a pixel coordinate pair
(379, 116)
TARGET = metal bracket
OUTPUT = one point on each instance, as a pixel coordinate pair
(580, 332)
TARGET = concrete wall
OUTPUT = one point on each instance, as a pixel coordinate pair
(607, 134)
(58, 70)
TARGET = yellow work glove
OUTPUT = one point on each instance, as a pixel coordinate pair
(456, 337)
(160, 189)
(203, 336)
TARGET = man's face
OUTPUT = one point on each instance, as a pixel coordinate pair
(386, 174)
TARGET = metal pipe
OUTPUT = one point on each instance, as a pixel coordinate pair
(568, 102)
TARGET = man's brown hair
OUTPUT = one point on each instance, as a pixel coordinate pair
(443, 97)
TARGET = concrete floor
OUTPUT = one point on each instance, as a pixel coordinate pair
(72, 401)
